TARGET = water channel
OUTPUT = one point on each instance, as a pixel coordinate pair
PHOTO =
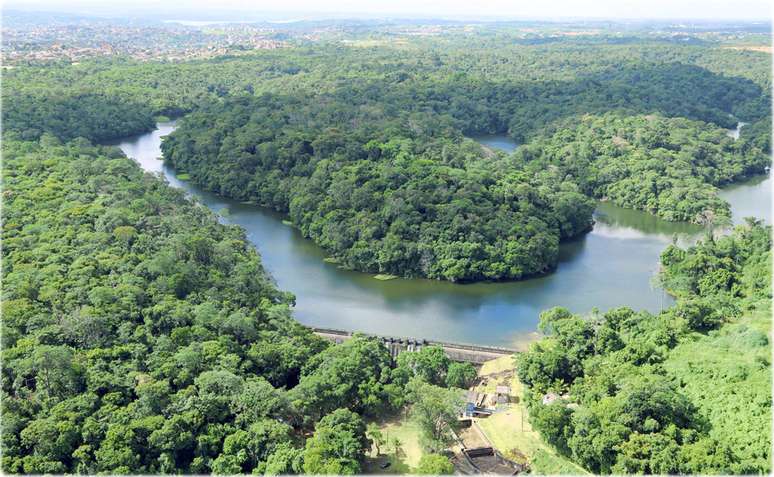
(611, 266)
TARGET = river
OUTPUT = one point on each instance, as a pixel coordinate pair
(611, 266)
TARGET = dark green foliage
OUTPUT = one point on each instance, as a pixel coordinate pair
(140, 336)
(354, 375)
(338, 445)
(432, 365)
(668, 167)
(363, 147)
(69, 114)
(398, 193)
(138, 333)
(460, 375)
(655, 394)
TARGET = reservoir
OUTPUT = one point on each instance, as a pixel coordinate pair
(613, 265)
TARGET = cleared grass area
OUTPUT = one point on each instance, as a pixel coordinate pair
(408, 454)
(509, 429)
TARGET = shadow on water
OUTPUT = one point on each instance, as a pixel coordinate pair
(611, 266)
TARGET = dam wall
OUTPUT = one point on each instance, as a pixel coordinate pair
(462, 352)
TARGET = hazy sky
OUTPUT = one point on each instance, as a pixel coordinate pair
(640, 9)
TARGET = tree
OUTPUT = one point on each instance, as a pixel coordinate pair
(351, 374)
(375, 435)
(435, 409)
(338, 445)
(397, 446)
(460, 375)
(429, 363)
(554, 422)
(434, 464)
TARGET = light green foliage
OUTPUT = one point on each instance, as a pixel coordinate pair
(435, 464)
(338, 445)
(435, 409)
(374, 434)
(687, 391)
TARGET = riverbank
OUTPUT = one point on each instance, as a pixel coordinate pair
(613, 265)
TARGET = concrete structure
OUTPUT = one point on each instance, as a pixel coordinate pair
(478, 456)
(455, 351)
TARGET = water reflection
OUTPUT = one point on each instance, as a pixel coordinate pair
(611, 266)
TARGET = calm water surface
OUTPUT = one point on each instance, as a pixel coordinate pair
(611, 266)
(496, 141)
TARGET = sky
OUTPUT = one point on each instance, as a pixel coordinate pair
(457, 9)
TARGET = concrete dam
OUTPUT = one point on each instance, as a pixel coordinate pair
(455, 351)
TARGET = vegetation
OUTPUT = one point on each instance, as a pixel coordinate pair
(402, 449)
(632, 387)
(435, 409)
(401, 195)
(435, 464)
(140, 335)
(668, 167)
(364, 147)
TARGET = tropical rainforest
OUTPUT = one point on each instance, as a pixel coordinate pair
(141, 335)
(687, 391)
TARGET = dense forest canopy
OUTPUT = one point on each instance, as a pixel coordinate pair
(633, 387)
(140, 335)
(400, 193)
(404, 194)
(668, 167)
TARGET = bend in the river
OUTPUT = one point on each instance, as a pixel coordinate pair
(611, 266)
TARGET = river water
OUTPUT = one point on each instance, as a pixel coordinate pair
(611, 266)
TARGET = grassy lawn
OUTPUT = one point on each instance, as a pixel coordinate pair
(403, 462)
(510, 432)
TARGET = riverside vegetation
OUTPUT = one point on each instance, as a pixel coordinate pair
(141, 336)
(381, 138)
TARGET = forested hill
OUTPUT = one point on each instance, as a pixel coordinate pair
(403, 193)
(364, 148)
(687, 391)
(140, 335)
(491, 84)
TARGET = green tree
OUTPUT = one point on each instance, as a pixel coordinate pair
(434, 464)
(460, 375)
(435, 409)
(338, 445)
